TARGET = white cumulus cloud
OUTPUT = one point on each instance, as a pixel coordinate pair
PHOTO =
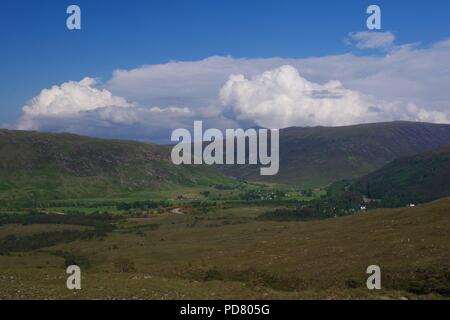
(81, 107)
(282, 98)
(68, 100)
(408, 82)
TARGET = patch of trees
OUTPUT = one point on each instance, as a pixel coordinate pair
(12, 243)
(142, 205)
(103, 223)
(205, 193)
(223, 187)
(202, 207)
(71, 258)
(41, 204)
(337, 202)
(262, 195)
(307, 193)
(428, 280)
(294, 214)
(250, 277)
(421, 281)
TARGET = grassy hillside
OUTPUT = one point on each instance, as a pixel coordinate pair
(41, 166)
(228, 254)
(36, 166)
(317, 156)
(420, 178)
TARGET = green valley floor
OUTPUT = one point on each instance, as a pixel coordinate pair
(225, 253)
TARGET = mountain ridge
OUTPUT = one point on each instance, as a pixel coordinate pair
(318, 156)
(37, 165)
(415, 179)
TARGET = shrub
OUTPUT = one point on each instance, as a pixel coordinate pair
(124, 265)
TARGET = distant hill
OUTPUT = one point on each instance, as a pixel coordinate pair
(317, 156)
(36, 165)
(420, 178)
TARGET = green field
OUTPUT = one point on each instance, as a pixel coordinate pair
(227, 253)
(142, 228)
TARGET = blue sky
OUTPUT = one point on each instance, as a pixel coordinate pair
(37, 51)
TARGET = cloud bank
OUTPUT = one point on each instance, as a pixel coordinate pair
(68, 100)
(408, 82)
(281, 98)
(81, 107)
